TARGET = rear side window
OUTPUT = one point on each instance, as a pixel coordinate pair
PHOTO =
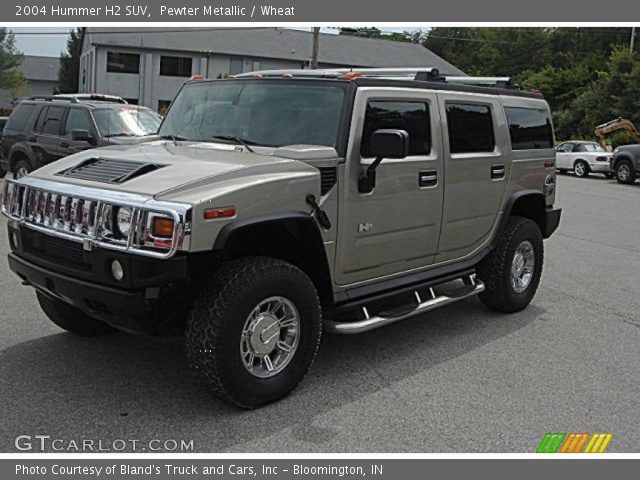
(410, 116)
(51, 121)
(529, 128)
(470, 128)
(20, 116)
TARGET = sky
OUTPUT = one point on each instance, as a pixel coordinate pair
(51, 41)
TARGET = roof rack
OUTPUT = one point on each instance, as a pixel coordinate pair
(51, 98)
(403, 73)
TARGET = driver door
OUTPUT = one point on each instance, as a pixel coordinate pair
(395, 227)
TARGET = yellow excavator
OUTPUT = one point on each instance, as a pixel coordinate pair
(614, 125)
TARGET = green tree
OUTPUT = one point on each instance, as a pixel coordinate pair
(10, 58)
(70, 63)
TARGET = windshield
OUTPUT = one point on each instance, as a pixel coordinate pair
(129, 122)
(258, 112)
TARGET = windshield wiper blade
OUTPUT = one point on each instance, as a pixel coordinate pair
(174, 138)
(121, 134)
(242, 141)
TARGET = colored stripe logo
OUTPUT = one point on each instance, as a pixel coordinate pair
(574, 443)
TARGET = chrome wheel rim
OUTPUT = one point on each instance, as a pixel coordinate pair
(270, 337)
(21, 172)
(522, 266)
(623, 172)
(579, 168)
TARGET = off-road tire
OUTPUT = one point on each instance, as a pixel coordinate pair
(585, 170)
(495, 269)
(632, 173)
(215, 324)
(20, 166)
(71, 319)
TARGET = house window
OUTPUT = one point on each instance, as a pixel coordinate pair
(470, 128)
(175, 66)
(410, 116)
(235, 66)
(120, 62)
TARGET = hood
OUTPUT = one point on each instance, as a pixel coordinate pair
(160, 167)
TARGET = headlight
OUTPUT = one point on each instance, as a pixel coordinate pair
(123, 220)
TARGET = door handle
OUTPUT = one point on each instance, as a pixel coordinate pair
(428, 178)
(497, 171)
(64, 144)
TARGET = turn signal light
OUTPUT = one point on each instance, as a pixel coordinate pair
(549, 164)
(162, 227)
(213, 213)
(351, 75)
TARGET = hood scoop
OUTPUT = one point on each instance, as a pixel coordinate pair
(109, 170)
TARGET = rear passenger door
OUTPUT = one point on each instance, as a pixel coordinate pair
(476, 153)
(395, 227)
(47, 135)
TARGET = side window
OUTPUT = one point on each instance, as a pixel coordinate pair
(566, 147)
(529, 128)
(51, 121)
(76, 120)
(20, 116)
(470, 128)
(410, 116)
(579, 148)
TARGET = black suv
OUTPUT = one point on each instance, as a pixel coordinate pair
(43, 129)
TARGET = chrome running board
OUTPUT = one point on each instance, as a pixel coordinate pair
(473, 287)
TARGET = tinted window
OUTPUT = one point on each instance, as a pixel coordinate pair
(588, 147)
(470, 128)
(175, 66)
(119, 62)
(410, 116)
(20, 116)
(530, 128)
(76, 120)
(51, 121)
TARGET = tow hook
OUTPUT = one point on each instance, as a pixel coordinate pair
(321, 216)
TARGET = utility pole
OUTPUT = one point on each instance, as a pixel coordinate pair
(633, 39)
(314, 49)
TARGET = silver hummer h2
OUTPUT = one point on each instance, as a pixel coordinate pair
(278, 204)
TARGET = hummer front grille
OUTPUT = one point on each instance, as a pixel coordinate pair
(88, 216)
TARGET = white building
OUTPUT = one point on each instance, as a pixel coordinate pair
(149, 65)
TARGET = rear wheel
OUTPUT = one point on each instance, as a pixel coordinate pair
(21, 168)
(71, 319)
(254, 331)
(511, 272)
(625, 172)
(581, 169)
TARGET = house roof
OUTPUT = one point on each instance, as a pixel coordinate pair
(40, 68)
(280, 43)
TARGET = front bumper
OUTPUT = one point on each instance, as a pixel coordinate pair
(551, 221)
(139, 303)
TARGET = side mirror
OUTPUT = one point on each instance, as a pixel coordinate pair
(385, 143)
(82, 136)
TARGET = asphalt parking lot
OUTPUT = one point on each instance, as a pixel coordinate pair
(459, 379)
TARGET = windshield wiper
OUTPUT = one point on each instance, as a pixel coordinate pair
(121, 134)
(242, 141)
(174, 138)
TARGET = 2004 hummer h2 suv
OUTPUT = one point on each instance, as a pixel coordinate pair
(277, 204)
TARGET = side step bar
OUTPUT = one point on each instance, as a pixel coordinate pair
(369, 322)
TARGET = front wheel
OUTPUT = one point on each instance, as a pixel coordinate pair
(254, 330)
(625, 173)
(71, 319)
(511, 272)
(21, 168)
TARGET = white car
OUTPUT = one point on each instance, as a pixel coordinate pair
(583, 158)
